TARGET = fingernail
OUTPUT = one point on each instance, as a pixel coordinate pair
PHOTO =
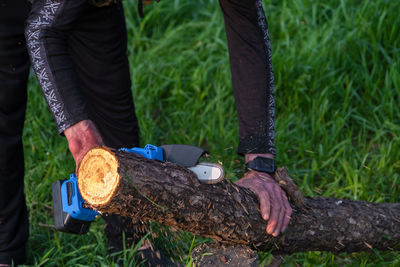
(269, 230)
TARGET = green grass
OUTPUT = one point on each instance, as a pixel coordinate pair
(337, 73)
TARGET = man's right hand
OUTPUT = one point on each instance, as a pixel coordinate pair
(82, 137)
(274, 205)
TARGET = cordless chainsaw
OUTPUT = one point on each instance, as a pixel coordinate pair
(72, 216)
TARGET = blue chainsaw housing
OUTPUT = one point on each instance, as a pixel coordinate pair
(70, 215)
(149, 151)
(73, 202)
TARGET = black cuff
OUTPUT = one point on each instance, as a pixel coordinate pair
(70, 122)
(256, 144)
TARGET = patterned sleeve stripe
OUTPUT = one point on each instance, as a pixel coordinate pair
(36, 26)
(262, 22)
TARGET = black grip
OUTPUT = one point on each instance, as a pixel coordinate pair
(184, 155)
(69, 193)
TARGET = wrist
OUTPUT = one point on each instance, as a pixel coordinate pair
(261, 162)
(76, 131)
(250, 156)
(81, 137)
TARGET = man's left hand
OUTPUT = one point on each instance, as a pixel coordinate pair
(274, 204)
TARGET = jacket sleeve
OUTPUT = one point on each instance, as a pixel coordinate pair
(46, 34)
(252, 75)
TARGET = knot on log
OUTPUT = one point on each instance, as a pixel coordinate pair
(282, 177)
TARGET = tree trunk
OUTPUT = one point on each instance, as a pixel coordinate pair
(130, 185)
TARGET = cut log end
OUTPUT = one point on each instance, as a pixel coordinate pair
(98, 176)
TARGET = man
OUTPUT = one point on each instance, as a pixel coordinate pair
(78, 52)
(60, 71)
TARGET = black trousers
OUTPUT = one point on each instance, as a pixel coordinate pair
(14, 69)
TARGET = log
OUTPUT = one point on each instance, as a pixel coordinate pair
(130, 185)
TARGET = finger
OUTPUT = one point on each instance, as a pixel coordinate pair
(279, 199)
(275, 207)
(288, 212)
(281, 221)
(279, 224)
(265, 205)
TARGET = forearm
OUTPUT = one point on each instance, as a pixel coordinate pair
(47, 32)
(252, 75)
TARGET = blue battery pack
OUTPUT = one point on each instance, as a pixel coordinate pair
(73, 202)
(70, 216)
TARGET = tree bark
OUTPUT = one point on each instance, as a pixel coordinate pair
(170, 194)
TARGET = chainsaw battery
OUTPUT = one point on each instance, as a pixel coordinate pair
(70, 216)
